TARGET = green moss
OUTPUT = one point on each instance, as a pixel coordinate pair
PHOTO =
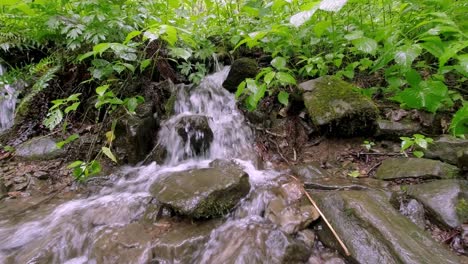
(169, 106)
(462, 210)
(334, 105)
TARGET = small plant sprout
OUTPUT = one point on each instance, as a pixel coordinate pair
(409, 144)
(368, 144)
(354, 174)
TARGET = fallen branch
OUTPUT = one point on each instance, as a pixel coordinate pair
(324, 218)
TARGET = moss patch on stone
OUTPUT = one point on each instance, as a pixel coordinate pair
(335, 106)
(462, 210)
(240, 70)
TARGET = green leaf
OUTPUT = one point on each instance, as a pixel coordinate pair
(406, 143)
(181, 53)
(283, 97)
(75, 164)
(459, 124)
(279, 63)
(269, 77)
(240, 89)
(413, 78)
(131, 35)
(132, 104)
(72, 107)
(68, 140)
(86, 55)
(418, 154)
(109, 154)
(53, 119)
(101, 48)
(285, 78)
(102, 89)
(354, 174)
(170, 34)
(405, 55)
(366, 45)
(94, 168)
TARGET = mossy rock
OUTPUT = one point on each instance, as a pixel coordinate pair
(335, 106)
(203, 193)
(39, 148)
(241, 69)
(399, 168)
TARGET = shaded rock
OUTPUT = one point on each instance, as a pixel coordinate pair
(41, 175)
(462, 159)
(396, 168)
(135, 134)
(375, 232)
(392, 129)
(309, 172)
(39, 148)
(3, 189)
(241, 69)
(446, 148)
(307, 236)
(203, 193)
(290, 210)
(252, 241)
(184, 243)
(414, 211)
(444, 199)
(128, 244)
(196, 130)
(335, 106)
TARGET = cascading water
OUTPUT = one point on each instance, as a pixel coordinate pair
(7, 103)
(66, 233)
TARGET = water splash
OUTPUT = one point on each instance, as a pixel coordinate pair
(7, 103)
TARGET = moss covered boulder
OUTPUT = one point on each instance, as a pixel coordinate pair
(398, 168)
(203, 193)
(240, 70)
(335, 106)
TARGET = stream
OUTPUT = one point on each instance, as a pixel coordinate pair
(66, 232)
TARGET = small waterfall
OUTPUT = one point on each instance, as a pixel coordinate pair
(7, 103)
(66, 232)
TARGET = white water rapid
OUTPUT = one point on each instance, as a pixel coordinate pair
(7, 103)
(66, 232)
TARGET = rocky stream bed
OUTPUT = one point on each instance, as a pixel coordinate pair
(213, 186)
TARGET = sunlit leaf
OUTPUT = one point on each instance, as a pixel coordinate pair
(109, 154)
(283, 97)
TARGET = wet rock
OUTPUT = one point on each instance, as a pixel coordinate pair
(184, 243)
(203, 193)
(128, 244)
(335, 106)
(396, 168)
(307, 236)
(290, 210)
(39, 148)
(392, 129)
(446, 200)
(241, 69)
(446, 149)
(375, 232)
(135, 134)
(462, 159)
(196, 130)
(252, 241)
(309, 172)
(414, 211)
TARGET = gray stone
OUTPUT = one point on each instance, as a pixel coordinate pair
(308, 172)
(462, 159)
(184, 243)
(335, 106)
(443, 199)
(241, 69)
(203, 193)
(397, 168)
(39, 148)
(290, 210)
(374, 232)
(135, 134)
(414, 211)
(446, 148)
(196, 130)
(128, 244)
(394, 129)
(251, 240)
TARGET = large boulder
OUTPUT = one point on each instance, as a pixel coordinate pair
(251, 240)
(446, 148)
(203, 193)
(241, 69)
(39, 148)
(446, 200)
(374, 232)
(135, 134)
(397, 168)
(335, 106)
(195, 129)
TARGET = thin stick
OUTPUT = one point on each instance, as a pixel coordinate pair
(324, 219)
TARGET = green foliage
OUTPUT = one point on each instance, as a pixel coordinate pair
(60, 106)
(83, 170)
(459, 125)
(409, 144)
(368, 144)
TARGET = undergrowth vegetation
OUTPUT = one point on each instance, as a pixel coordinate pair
(409, 52)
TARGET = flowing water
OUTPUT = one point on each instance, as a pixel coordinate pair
(7, 103)
(65, 232)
